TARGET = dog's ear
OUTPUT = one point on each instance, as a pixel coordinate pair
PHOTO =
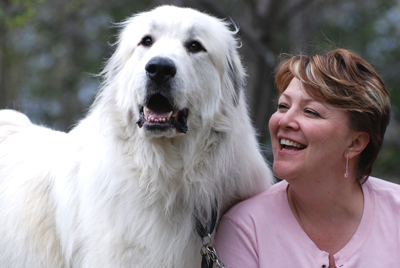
(236, 76)
(236, 73)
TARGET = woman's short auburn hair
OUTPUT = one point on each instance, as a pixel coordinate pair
(345, 81)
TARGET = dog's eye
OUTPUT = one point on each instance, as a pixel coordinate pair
(194, 47)
(146, 41)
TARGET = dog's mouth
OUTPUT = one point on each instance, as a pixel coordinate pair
(159, 115)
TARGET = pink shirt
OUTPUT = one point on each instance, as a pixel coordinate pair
(262, 232)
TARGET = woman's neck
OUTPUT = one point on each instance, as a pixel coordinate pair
(329, 213)
(325, 193)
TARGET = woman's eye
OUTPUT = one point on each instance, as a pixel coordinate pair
(195, 47)
(311, 112)
(282, 106)
(146, 41)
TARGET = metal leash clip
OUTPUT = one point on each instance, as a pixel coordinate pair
(209, 255)
(208, 252)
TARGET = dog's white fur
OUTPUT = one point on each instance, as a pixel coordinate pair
(111, 194)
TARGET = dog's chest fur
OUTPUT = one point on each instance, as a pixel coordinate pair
(142, 195)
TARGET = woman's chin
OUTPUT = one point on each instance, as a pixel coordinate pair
(284, 172)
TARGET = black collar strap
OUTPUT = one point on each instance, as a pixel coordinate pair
(208, 252)
(205, 231)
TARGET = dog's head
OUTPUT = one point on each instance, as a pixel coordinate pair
(173, 66)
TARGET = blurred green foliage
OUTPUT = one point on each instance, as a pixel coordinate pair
(18, 12)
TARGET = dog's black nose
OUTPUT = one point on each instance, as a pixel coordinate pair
(160, 69)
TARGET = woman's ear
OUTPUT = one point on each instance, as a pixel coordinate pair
(360, 141)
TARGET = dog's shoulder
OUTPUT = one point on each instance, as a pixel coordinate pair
(16, 125)
(24, 144)
(12, 122)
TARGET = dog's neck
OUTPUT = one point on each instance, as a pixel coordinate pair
(172, 170)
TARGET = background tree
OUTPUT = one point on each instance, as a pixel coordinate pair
(50, 48)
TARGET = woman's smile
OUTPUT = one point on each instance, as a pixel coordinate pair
(289, 145)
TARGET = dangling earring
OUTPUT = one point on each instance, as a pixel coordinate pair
(346, 174)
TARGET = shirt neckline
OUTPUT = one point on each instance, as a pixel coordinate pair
(358, 239)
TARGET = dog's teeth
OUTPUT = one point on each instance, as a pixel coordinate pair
(169, 115)
(163, 119)
(146, 113)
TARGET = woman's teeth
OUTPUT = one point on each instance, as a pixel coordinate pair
(292, 144)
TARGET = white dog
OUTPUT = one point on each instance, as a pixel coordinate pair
(167, 140)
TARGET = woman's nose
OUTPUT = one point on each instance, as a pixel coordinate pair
(289, 120)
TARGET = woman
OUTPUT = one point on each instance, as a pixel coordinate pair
(332, 114)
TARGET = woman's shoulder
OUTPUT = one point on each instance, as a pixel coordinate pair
(383, 185)
(263, 203)
(384, 189)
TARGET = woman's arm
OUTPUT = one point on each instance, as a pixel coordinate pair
(235, 245)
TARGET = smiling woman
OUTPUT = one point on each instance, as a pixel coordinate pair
(317, 127)
(346, 82)
(332, 114)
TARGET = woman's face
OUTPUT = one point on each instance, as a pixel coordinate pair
(309, 137)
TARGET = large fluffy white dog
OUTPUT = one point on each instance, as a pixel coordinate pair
(167, 139)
